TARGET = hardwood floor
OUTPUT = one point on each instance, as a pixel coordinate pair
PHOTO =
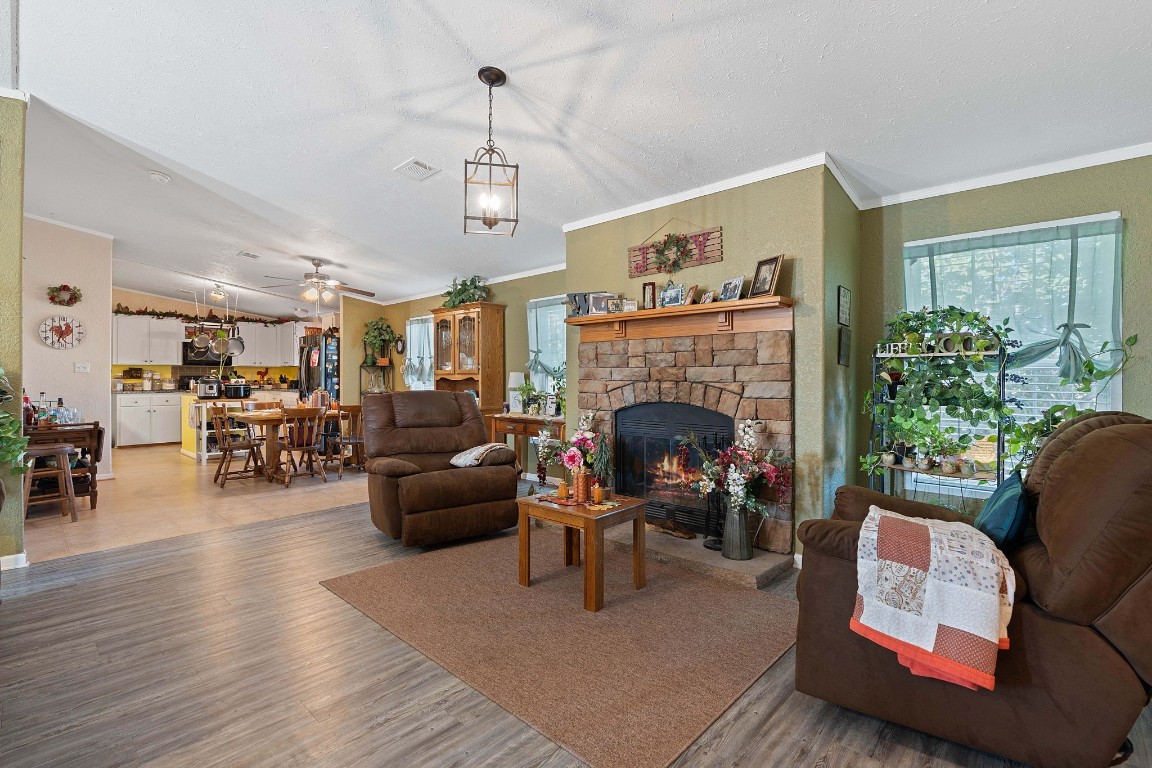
(220, 648)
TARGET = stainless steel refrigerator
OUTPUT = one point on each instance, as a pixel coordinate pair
(320, 366)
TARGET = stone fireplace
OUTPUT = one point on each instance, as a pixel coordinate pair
(726, 362)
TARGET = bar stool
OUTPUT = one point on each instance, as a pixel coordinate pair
(65, 493)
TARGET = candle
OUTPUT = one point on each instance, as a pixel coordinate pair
(597, 494)
(562, 490)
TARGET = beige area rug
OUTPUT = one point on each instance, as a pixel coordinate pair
(631, 685)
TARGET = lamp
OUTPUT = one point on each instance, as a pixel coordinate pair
(515, 403)
(490, 181)
(311, 293)
(217, 294)
(326, 295)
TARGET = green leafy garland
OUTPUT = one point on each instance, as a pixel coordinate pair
(64, 295)
(672, 263)
(121, 309)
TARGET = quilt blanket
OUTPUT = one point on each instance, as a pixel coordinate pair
(938, 594)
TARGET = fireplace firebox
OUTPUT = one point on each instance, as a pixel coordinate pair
(650, 464)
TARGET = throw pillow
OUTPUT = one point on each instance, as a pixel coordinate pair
(1005, 514)
(473, 456)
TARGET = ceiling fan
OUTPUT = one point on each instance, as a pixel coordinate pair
(317, 285)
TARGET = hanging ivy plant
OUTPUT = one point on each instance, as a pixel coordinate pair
(670, 254)
(466, 291)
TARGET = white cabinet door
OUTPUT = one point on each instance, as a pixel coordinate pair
(132, 336)
(248, 333)
(270, 345)
(165, 423)
(166, 335)
(289, 345)
(134, 425)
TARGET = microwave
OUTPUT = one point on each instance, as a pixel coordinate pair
(192, 356)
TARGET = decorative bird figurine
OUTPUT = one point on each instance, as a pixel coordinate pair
(261, 375)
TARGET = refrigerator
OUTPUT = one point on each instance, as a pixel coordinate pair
(319, 366)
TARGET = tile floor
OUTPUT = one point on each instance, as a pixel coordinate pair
(158, 494)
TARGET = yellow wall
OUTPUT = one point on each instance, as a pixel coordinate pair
(12, 113)
(804, 215)
(247, 371)
(1123, 187)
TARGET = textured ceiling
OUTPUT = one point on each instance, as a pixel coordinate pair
(280, 121)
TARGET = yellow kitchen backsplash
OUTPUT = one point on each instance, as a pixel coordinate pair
(247, 371)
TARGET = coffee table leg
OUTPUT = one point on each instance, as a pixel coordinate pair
(593, 568)
(525, 531)
(571, 546)
(638, 574)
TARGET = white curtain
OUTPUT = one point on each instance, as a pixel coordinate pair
(547, 335)
(1058, 284)
(418, 363)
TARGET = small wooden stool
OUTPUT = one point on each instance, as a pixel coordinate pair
(65, 494)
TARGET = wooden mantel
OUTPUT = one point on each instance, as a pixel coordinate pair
(763, 313)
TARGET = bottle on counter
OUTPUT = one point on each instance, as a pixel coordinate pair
(29, 410)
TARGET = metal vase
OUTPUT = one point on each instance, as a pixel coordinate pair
(737, 545)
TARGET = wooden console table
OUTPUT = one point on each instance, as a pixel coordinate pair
(521, 425)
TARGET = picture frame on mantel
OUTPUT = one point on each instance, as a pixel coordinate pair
(731, 289)
(648, 296)
(765, 278)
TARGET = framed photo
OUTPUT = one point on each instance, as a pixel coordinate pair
(615, 305)
(844, 307)
(731, 289)
(672, 295)
(690, 294)
(598, 303)
(648, 296)
(708, 297)
(630, 306)
(844, 348)
(764, 280)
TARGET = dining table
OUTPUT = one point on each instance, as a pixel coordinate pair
(270, 421)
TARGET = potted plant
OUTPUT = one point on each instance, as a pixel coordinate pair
(466, 291)
(12, 440)
(528, 393)
(379, 337)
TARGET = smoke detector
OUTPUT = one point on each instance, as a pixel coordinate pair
(416, 169)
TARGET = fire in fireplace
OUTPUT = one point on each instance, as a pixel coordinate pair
(651, 465)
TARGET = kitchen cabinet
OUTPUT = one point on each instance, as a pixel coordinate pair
(146, 419)
(140, 340)
(290, 334)
(469, 351)
(265, 345)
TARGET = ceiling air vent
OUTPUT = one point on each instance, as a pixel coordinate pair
(247, 255)
(415, 169)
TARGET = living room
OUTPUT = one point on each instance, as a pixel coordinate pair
(780, 282)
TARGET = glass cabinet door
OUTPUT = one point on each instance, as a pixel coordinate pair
(467, 342)
(444, 344)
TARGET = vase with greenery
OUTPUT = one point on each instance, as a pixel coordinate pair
(379, 337)
(528, 393)
(466, 291)
(12, 441)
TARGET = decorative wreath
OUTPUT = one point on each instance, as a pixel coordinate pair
(64, 295)
(674, 262)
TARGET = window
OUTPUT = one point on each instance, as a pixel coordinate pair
(547, 333)
(418, 362)
(1058, 283)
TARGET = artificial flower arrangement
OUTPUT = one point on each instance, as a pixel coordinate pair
(585, 455)
(742, 470)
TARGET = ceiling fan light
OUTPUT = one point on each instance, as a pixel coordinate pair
(311, 293)
(217, 294)
(489, 179)
(327, 295)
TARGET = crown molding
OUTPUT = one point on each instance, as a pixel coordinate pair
(849, 190)
(1021, 174)
(66, 225)
(803, 163)
(501, 279)
(11, 93)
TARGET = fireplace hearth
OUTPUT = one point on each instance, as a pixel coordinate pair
(650, 464)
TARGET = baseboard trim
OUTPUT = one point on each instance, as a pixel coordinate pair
(9, 562)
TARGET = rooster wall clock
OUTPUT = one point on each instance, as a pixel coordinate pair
(62, 332)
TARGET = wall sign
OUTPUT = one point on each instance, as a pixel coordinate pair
(705, 247)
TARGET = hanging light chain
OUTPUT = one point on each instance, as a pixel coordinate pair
(490, 142)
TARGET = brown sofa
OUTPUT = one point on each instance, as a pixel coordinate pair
(1077, 675)
(415, 494)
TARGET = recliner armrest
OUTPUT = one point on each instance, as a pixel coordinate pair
(834, 538)
(498, 457)
(852, 503)
(383, 465)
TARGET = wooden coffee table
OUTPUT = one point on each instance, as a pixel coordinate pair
(576, 520)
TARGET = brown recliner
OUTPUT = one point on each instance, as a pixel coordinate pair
(414, 493)
(1077, 674)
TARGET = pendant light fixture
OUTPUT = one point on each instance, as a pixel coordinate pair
(490, 181)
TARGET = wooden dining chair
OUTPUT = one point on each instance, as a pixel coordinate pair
(88, 439)
(232, 440)
(350, 438)
(302, 433)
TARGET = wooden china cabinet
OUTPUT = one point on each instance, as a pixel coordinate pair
(469, 351)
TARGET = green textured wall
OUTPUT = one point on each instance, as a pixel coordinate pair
(11, 309)
(785, 215)
(1122, 186)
